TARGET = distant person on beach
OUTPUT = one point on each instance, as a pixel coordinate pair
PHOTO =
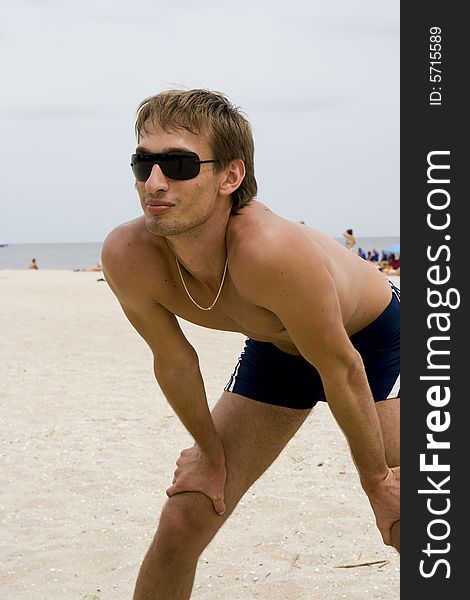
(321, 324)
(97, 268)
(393, 265)
(373, 255)
(33, 264)
(350, 239)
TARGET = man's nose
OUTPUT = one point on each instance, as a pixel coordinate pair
(157, 181)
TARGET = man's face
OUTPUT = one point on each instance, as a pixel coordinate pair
(173, 207)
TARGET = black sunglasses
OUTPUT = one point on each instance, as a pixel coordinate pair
(175, 165)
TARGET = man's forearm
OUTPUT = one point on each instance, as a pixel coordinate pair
(353, 407)
(184, 390)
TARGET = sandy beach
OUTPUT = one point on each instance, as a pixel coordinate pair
(88, 445)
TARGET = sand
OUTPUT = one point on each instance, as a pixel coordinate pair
(88, 446)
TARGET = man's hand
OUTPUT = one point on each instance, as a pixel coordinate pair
(197, 473)
(384, 497)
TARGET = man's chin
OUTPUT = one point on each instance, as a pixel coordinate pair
(165, 229)
(154, 227)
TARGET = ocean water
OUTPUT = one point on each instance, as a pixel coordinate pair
(88, 255)
(51, 256)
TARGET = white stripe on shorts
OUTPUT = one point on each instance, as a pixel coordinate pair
(231, 384)
(395, 389)
(395, 290)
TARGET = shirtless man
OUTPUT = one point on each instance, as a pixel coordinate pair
(316, 316)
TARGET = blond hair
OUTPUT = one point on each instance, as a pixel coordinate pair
(203, 111)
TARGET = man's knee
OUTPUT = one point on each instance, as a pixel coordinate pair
(187, 524)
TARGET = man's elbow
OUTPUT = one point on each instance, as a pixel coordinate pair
(345, 370)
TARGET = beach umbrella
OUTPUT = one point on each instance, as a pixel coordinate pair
(393, 248)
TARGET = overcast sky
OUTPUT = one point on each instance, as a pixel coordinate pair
(319, 81)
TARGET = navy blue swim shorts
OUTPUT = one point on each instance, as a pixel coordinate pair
(267, 374)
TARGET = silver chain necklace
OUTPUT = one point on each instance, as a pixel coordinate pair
(189, 295)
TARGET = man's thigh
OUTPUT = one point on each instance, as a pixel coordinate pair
(253, 434)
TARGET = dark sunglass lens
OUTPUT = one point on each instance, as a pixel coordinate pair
(141, 169)
(180, 167)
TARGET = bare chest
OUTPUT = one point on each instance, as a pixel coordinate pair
(232, 312)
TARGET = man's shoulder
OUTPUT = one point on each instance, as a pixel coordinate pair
(257, 229)
(123, 234)
(261, 232)
(261, 243)
(128, 239)
(127, 249)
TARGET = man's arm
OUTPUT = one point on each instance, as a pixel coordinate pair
(176, 368)
(311, 314)
(293, 282)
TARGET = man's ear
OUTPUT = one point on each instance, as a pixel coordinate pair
(234, 175)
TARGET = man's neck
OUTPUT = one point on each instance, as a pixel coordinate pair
(203, 252)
